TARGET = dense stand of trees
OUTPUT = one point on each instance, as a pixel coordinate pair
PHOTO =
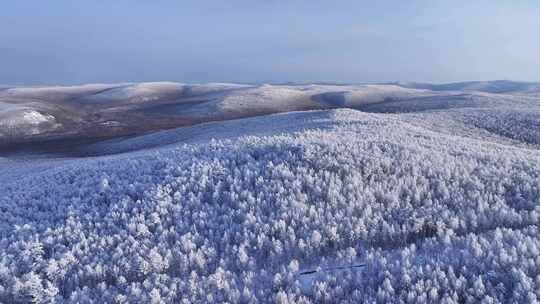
(435, 218)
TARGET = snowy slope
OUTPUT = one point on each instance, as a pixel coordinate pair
(105, 111)
(53, 93)
(18, 121)
(497, 86)
(439, 205)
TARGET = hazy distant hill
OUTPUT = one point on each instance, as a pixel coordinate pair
(497, 86)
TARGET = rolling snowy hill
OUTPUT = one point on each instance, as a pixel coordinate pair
(497, 86)
(30, 114)
(356, 193)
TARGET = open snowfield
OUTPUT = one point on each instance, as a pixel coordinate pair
(388, 193)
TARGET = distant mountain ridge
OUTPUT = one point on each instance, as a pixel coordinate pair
(100, 111)
(495, 86)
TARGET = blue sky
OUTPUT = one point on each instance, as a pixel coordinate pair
(69, 42)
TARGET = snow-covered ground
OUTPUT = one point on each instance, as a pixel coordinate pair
(20, 121)
(415, 196)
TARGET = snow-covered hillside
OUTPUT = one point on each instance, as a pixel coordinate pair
(21, 121)
(497, 86)
(105, 111)
(412, 197)
(99, 111)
